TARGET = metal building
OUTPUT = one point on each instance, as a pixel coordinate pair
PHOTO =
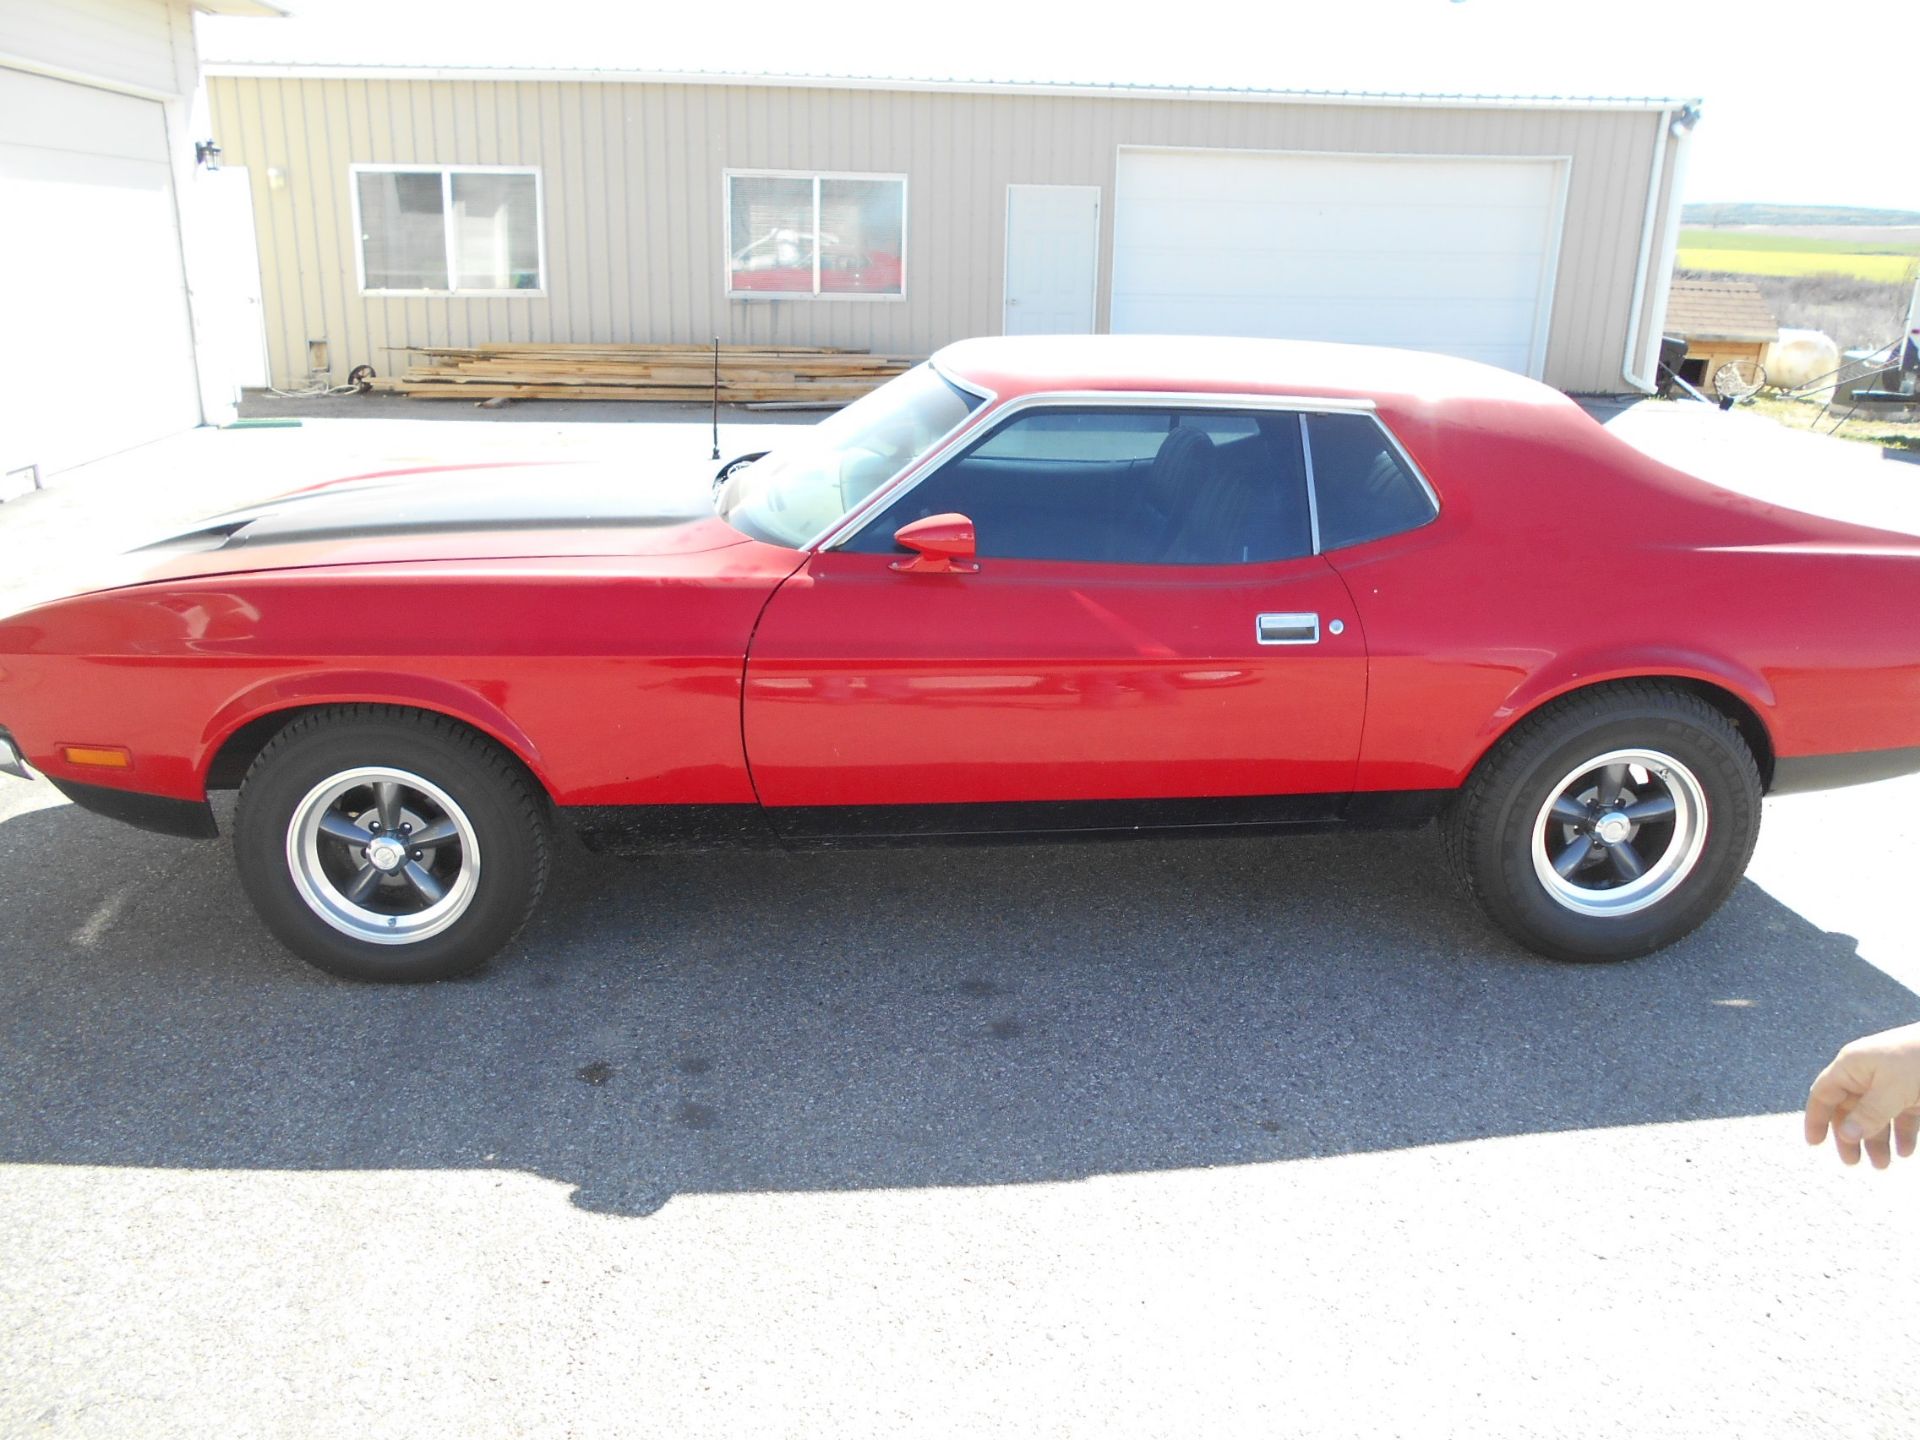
(397, 207)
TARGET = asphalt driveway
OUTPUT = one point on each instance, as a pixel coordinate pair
(1228, 1138)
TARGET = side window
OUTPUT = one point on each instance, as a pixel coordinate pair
(1362, 487)
(1121, 486)
(1091, 436)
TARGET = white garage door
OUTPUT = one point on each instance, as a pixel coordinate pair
(95, 350)
(1451, 255)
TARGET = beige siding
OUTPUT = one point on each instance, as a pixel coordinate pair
(142, 44)
(631, 176)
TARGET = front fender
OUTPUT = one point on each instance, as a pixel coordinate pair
(365, 687)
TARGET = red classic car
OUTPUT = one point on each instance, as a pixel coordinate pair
(1077, 586)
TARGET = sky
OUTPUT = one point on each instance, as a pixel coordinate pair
(1795, 110)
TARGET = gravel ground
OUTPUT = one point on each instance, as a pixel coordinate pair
(1242, 1137)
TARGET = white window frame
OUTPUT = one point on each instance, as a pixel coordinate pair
(727, 177)
(446, 174)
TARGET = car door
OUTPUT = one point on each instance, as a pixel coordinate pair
(1149, 638)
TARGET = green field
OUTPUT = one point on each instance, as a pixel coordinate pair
(1749, 252)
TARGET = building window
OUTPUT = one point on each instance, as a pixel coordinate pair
(832, 236)
(449, 230)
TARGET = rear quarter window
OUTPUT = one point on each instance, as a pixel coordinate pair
(1362, 487)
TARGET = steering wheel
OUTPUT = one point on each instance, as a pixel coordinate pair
(739, 462)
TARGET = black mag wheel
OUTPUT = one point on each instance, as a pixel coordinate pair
(1620, 832)
(383, 855)
(383, 844)
(1608, 825)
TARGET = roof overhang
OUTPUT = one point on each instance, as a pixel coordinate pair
(471, 73)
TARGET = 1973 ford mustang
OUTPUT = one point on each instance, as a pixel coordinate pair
(1081, 586)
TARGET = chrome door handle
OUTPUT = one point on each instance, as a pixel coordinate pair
(1298, 628)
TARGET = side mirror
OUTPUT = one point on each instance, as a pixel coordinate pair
(944, 544)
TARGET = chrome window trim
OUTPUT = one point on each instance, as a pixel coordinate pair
(1191, 400)
(960, 382)
(1313, 494)
(850, 524)
(832, 535)
(1433, 495)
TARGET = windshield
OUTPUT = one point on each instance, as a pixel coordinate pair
(799, 490)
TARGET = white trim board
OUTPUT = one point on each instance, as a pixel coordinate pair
(469, 73)
(85, 77)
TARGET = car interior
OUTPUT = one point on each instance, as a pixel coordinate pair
(1122, 487)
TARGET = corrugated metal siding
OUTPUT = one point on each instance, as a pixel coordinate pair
(147, 44)
(632, 182)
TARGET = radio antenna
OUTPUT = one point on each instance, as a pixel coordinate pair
(716, 397)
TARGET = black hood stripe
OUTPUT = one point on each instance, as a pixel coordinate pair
(449, 504)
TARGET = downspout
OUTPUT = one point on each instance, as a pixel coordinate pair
(1631, 359)
(1684, 122)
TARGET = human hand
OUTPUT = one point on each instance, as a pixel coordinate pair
(1869, 1095)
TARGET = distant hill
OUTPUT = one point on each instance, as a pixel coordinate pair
(1751, 213)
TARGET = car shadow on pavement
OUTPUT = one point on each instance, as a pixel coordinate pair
(930, 1017)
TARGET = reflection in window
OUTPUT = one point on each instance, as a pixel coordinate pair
(772, 223)
(816, 235)
(496, 232)
(1106, 435)
(414, 223)
(403, 236)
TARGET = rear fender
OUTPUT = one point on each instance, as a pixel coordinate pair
(1582, 670)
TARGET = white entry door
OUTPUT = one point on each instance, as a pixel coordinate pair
(1053, 253)
(223, 268)
(1447, 253)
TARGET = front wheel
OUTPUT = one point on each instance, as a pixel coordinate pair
(389, 844)
(1610, 824)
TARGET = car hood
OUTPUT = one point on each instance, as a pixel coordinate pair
(481, 512)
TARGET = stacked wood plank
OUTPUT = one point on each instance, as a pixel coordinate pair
(749, 374)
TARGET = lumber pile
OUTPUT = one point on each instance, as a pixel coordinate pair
(749, 374)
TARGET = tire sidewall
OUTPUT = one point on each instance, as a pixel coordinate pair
(511, 860)
(1726, 775)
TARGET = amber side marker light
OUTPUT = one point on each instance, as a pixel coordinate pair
(105, 757)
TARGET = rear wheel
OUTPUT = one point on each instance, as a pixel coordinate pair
(1610, 824)
(389, 844)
